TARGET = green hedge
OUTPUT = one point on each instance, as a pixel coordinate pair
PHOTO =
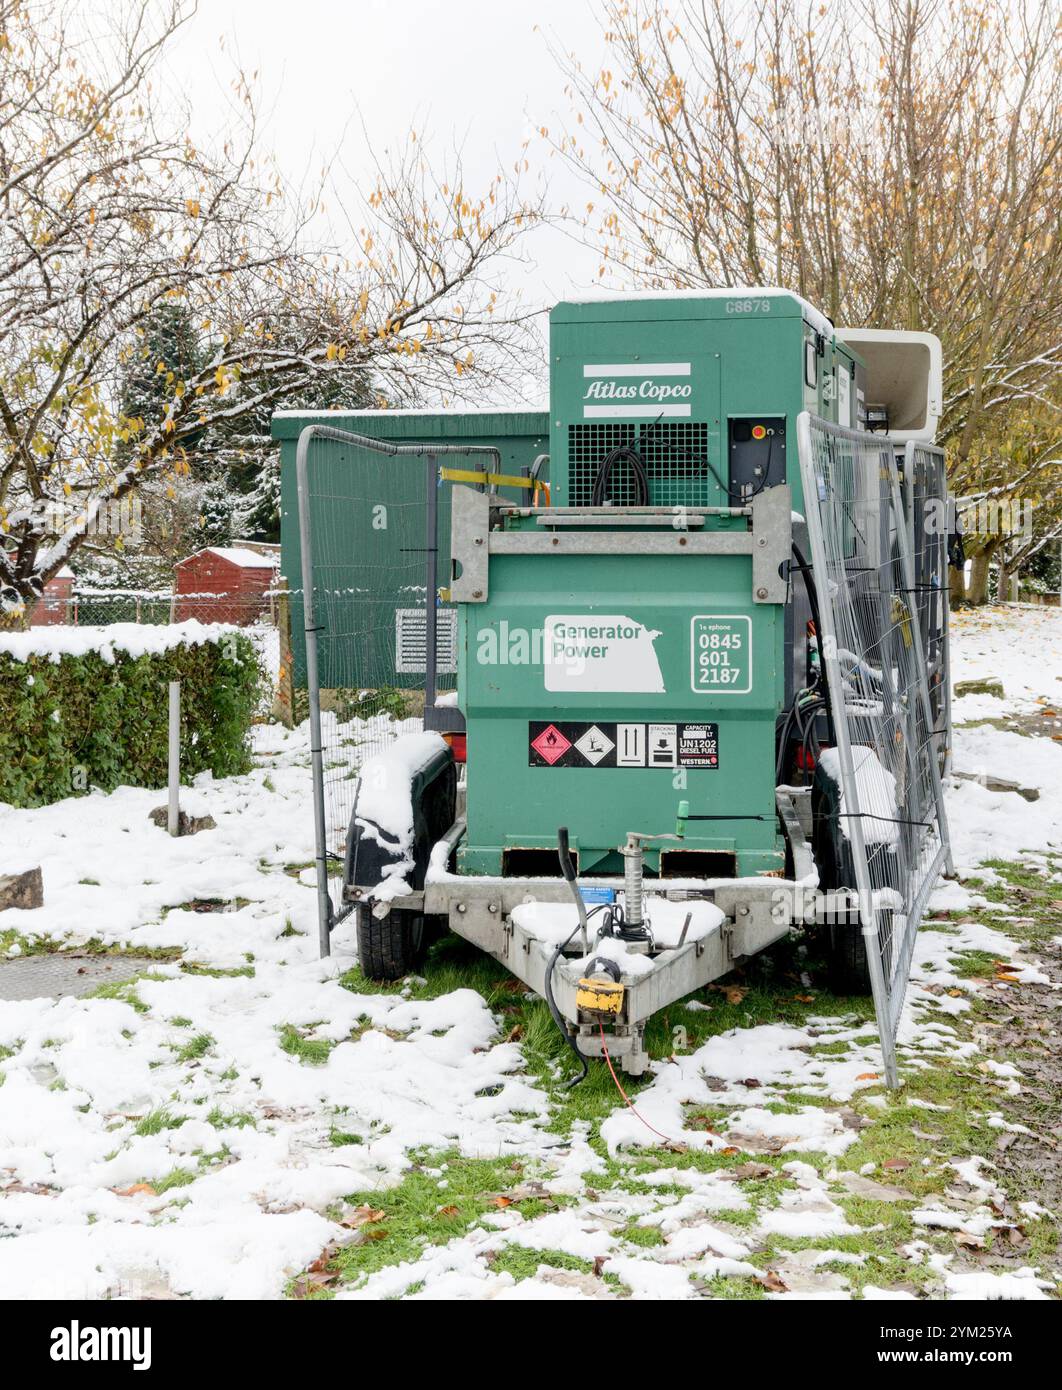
(84, 721)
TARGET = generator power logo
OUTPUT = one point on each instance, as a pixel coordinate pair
(627, 390)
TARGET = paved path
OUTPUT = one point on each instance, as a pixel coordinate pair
(54, 976)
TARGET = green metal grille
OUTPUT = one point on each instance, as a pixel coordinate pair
(675, 456)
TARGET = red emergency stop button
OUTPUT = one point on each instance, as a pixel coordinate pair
(759, 432)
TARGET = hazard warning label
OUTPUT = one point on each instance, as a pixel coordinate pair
(550, 745)
(568, 743)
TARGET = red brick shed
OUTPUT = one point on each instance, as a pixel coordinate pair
(57, 603)
(223, 584)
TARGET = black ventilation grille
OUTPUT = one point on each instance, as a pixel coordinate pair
(675, 457)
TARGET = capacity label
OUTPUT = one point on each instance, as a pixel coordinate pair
(567, 743)
(721, 654)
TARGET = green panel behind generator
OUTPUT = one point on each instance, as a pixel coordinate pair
(362, 651)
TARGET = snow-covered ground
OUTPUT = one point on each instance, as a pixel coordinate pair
(172, 1138)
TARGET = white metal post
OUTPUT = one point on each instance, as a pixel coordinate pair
(173, 816)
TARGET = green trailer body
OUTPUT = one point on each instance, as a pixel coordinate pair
(350, 487)
(610, 760)
(685, 708)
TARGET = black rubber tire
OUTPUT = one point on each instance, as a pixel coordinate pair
(844, 946)
(396, 945)
(848, 970)
(391, 948)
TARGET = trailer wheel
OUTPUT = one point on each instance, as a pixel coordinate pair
(844, 945)
(393, 947)
(396, 945)
(848, 969)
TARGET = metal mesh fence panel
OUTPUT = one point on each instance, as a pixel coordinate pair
(369, 534)
(891, 828)
(925, 487)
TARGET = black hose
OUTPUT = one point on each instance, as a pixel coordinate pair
(551, 1003)
(558, 1017)
(628, 452)
(795, 715)
(813, 600)
(602, 483)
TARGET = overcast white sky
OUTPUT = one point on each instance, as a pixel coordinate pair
(474, 72)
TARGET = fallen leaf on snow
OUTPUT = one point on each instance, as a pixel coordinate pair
(749, 1170)
(771, 1282)
(969, 1241)
(361, 1216)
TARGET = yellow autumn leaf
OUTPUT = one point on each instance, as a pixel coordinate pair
(192, 204)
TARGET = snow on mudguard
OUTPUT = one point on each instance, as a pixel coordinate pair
(404, 795)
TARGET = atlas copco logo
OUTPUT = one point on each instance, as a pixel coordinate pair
(617, 390)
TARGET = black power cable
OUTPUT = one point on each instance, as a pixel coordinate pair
(551, 1003)
(702, 461)
(629, 454)
(813, 600)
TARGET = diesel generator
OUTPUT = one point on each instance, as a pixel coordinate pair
(700, 648)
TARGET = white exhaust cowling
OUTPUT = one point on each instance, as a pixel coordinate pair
(903, 374)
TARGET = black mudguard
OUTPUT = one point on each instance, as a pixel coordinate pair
(370, 851)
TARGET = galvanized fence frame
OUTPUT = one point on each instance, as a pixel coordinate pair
(848, 474)
(928, 531)
(328, 914)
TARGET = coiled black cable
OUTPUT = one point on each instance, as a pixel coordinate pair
(628, 453)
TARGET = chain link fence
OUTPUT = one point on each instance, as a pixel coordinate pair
(371, 532)
(98, 607)
(881, 783)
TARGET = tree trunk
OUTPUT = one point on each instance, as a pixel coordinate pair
(1003, 582)
(977, 593)
(956, 586)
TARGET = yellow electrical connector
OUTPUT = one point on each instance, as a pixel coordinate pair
(600, 998)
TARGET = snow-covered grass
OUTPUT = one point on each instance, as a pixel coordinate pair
(243, 1120)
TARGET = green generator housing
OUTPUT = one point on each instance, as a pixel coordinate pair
(632, 647)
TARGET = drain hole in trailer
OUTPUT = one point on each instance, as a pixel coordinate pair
(698, 863)
(533, 863)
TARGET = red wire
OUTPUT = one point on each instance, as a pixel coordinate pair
(623, 1093)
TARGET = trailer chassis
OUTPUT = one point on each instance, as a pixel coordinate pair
(756, 913)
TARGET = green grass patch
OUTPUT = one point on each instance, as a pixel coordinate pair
(213, 972)
(420, 1212)
(340, 1137)
(230, 1119)
(176, 1177)
(195, 1047)
(312, 1051)
(155, 1121)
